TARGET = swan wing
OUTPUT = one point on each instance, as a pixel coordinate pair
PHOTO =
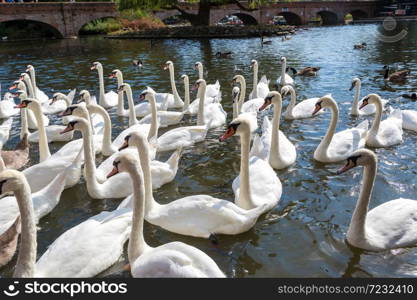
(345, 142)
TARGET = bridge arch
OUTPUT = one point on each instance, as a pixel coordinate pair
(291, 18)
(33, 24)
(328, 17)
(358, 14)
(246, 19)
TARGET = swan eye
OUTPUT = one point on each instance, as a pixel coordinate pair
(127, 137)
(116, 163)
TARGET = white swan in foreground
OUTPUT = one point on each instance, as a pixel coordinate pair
(284, 79)
(273, 146)
(174, 259)
(390, 225)
(213, 90)
(336, 147)
(300, 111)
(109, 99)
(369, 109)
(197, 215)
(388, 132)
(260, 89)
(257, 184)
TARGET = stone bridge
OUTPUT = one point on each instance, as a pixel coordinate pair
(65, 18)
(296, 13)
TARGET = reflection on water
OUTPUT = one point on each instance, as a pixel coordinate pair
(304, 235)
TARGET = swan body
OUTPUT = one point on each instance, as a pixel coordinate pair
(7, 109)
(212, 90)
(109, 99)
(261, 88)
(388, 132)
(273, 146)
(5, 131)
(58, 103)
(409, 118)
(367, 110)
(284, 79)
(339, 146)
(390, 225)
(301, 110)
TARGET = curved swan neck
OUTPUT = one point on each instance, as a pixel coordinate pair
(293, 100)
(153, 131)
(24, 127)
(324, 144)
(101, 84)
(358, 221)
(186, 93)
(120, 102)
(25, 266)
(44, 152)
(255, 81)
(378, 115)
(202, 95)
(137, 243)
(173, 86)
(355, 106)
(242, 93)
(131, 107)
(96, 109)
(245, 199)
(274, 150)
(90, 166)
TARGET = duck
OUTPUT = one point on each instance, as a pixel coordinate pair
(284, 79)
(399, 76)
(212, 90)
(174, 259)
(307, 71)
(273, 146)
(412, 96)
(109, 99)
(367, 110)
(262, 87)
(391, 225)
(361, 46)
(137, 63)
(336, 147)
(257, 184)
(227, 54)
(17, 158)
(263, 42)
(386, 133)
(301, 110)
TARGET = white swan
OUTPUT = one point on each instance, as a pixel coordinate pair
(144, 108)
(176, 102)
(198, 215)
(214, 114)
(257, 184)
(121, 111)
(58, 103)
(300, 111)
(369, 109)
(260, 89)
(192, 108)
(212, 90)
(409, 119)
(182, 137)
(174, 259)
(52, 131)
(386, 133)
(109, 99)
(251, 105)
(97, 121)
(38, 94)
(284, 79)
(339, 146)
(7, 109)
(390, 225)
(273, 146)
(5, 131)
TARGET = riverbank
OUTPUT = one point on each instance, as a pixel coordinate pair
(184, 32)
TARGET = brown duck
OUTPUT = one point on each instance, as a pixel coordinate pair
(307, 71)
(398, 76)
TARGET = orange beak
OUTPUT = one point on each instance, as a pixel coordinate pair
(124, 146)
(230, 132)
(14, 86)
(347, 167)
(113, 172)
(21, 105)
(67, 129)
(363, 104)
(265, 105)
(316, 109)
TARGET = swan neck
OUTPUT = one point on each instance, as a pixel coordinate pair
(284, 66)
(25, 266)
(24, 128)
(293, 100)
(131, 107)
(186, 94)
(101, 84)
(200, 114)
(235, 107)
(255, 81)
(173, 86)
(200, 72)
(274, 151)
(44, 152)
(153, 131)
(106, 147)
(137, 243)
(242, 94)
(33, 81)
(324, 144)
(90, 166)
(245, 199)
(377, 121)
(120, 100)
(355, 105)
(30, 87)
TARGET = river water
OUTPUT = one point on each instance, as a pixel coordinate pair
(304, 235)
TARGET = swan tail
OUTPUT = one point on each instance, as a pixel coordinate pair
(174, 159)
(363, 125)
(397, 114)
(164, 105)
(71, 95)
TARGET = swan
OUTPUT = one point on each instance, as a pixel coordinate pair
(192, 108)
(174, 259)
(284, 79)
(386, 133)
(17, 158)
(7, 109)
(176, 102)
(182, 137)
(121, 111)
(212, 90)
(390, 225)
(38, 94)
(116, 187)
(43, 201)
(214, 114)
(273, 146)
(236, 96)
(261, 89)
(409, 119)
(257, 184)
(58, 103)
(109, 99)
(369, 109)
(5, 131)
(97, 121)
(197, 215)
(252, 105)
(336, 147)
(51, 131)
(300, 111)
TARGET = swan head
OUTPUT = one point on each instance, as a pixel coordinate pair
(135, 138)
(168, 64)
(272, 98)
(24, 76)
(115, 73)
(235, 93)
(29, 68)
(84, 96)
(29, 103)
(198, 65)
(355, 81)
(148, 94)
(123, 163)
(185, 77)
(286, 89)
(123, 87)
(56, 97)
(11, 181)
(239, 126)
(238, 79)
(325, 101)
(14, 85)
(370, 99)
(96, 65)
(361, 157)
(253, 63)
(283, 59)
(76, 123)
